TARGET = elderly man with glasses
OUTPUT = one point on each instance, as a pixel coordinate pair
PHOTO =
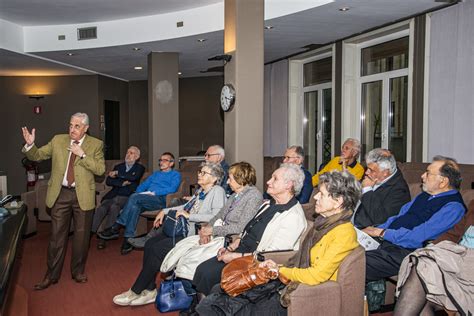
(384, 190)
(434, 211)
(151, 195)
(216, 154)
(295, 155)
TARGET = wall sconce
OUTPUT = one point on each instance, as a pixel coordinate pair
(37, 97)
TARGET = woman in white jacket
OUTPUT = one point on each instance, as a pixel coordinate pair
(278, 225)
(204, 205)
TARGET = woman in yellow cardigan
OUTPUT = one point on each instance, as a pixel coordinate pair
(324, 248)
(332, 238)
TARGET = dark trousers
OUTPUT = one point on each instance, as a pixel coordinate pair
(385, 261)
(65, 208)
(108, 210)
(207, 275)
(155, 251)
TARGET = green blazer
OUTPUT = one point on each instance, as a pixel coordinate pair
(84, 169)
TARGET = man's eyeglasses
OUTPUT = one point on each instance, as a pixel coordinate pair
(289, 157)
(209, 155)
(165, 160)
(432, 174)
(202, 173)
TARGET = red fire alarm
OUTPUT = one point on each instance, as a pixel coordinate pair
(37, 109)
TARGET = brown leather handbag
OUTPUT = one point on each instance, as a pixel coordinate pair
(244, 273)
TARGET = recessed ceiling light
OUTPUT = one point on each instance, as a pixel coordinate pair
(200, 40)
(70, 54)
(344, 9)
(180, 73)
(138, 67)
(268, 27)
(136, 48)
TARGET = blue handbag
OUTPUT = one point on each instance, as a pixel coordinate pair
(172, 296)
(175, 227)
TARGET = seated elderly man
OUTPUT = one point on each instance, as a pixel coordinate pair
(346, 161)
(216, 154)
(124, 180)
(151, 195)
(384, 190)
(434, 211)
(295, 155)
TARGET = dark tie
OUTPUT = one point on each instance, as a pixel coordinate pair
(70, 168)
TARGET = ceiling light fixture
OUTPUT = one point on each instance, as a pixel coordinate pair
(180, 73)
(200, 40)
(268, 27)
(344, 9)
(138, 67)
(70, 54)
(136, 48)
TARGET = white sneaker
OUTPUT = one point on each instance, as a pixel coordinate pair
(146, 297)
(125, 298)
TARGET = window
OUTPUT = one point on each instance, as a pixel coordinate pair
(384, 96)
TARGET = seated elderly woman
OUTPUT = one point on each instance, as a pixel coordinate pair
(240, 208)
(278, 225)
(324, 248)
(202, 207)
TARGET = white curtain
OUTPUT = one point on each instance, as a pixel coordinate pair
(275, 128)
(451, 83)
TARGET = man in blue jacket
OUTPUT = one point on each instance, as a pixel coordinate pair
(434, 211)
(151, 195)
(124, 180)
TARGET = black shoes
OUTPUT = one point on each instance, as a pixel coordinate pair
(45, 284)
(126, 247)
(109, 233)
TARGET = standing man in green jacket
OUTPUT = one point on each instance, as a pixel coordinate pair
(76, 158)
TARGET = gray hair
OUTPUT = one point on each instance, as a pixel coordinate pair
(136, 149)
(450, 170)
(220, 150)
(342, 184)
(215, 170)
(299, 151)
(293, 173)
(83, 116)
(383, 158)
(355, 144)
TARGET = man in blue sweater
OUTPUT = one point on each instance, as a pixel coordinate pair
(434, 211)
(151, 195)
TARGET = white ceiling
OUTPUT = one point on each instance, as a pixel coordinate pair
(320, 25)
(54, 12)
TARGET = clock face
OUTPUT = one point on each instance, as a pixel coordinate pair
(227, 97)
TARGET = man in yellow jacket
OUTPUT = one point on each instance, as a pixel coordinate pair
(76, 158)
(346, 161)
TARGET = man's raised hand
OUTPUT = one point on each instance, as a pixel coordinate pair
(29, 137)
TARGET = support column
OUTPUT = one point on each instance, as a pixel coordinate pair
(243, 39)
(163, 106)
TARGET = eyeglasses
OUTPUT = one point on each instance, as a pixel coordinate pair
(432, 174)
(202, 173)
(209, 155)
(289, 157)
(165, 160)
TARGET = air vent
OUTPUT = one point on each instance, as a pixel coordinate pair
(87, 33)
